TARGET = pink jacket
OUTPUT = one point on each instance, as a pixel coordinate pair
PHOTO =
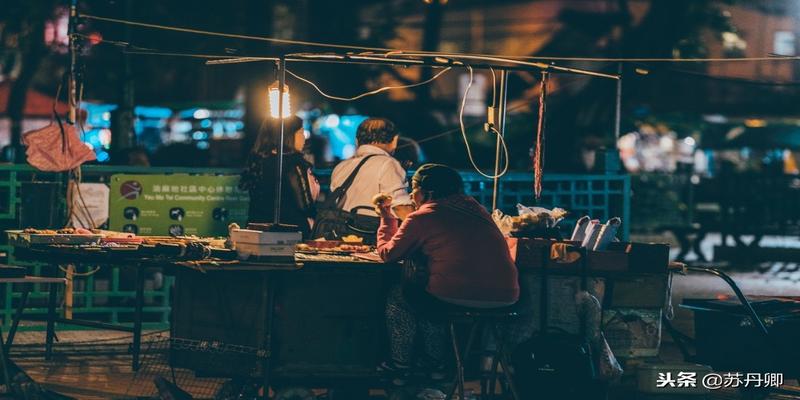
(467, 256)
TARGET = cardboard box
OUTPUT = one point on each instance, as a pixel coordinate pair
(619, 257)
(638, 291)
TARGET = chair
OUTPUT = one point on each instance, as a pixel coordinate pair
(492, 319)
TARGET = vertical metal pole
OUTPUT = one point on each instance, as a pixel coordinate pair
(618, 106)
(138, 314)
(501, 130)
(52, 292)
(73, 57)
(279, 180)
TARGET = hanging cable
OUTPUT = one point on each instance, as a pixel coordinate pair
(457, 129)
(431, 53)
(230, 35)
(372, 92)
(464, 133)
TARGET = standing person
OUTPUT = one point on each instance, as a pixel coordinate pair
(467, 259)
(299, 187)
(382, 173)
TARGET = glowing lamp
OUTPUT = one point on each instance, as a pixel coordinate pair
(273, 101)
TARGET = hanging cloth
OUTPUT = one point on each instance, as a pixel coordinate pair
(56, 147)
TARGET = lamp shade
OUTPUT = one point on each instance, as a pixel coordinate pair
(273, 101)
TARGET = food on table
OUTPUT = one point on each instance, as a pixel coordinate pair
(63, 231)
(355, 248)
(351, 239)
(332, 246)
(34, 231)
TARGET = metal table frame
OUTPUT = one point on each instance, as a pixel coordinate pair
(54, 259)
(27, 281)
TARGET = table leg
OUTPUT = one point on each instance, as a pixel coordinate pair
(23, 302)
(52, 290)
(4, 361)
(137, 318)
(265, 364)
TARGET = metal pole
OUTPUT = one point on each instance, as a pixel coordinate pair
(73, 56)
(618, 107)
(279, 180)
(501, 130)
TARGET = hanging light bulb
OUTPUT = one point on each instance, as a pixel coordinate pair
(273, 100)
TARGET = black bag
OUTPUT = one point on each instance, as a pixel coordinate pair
(555, 364)
(333, 222)
(552, 364)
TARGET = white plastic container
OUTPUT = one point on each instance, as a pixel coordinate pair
(247, 250)
(251, 243)
(259, 237)
(650, 375)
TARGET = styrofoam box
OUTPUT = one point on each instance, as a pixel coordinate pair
(259, 237)
(247, 250)
(648, 378)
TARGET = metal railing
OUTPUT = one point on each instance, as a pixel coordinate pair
(32, 198)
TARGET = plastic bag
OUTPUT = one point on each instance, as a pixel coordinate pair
(504, 222)
(537, 217)
(56, 148)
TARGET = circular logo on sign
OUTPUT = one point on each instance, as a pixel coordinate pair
(131, 190)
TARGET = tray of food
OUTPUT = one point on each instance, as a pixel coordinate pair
(71, 236)
(333, 247)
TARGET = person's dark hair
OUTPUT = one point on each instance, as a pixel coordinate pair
(438, 180)
(266, 145)
(269, 137)
(376, 130)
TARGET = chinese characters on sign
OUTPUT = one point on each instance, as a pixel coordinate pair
(713, 381)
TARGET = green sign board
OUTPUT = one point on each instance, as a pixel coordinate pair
(161, 205)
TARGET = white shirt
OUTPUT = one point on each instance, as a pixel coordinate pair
(380, 174)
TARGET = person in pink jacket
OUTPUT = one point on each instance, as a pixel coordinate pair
(468, 262)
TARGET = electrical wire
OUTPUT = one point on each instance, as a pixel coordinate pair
(228, 35)
(430, 53)
(370, 93)
(457, 129)
(466, 140)
(80, 274)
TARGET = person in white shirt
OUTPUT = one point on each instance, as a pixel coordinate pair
(381, 173)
